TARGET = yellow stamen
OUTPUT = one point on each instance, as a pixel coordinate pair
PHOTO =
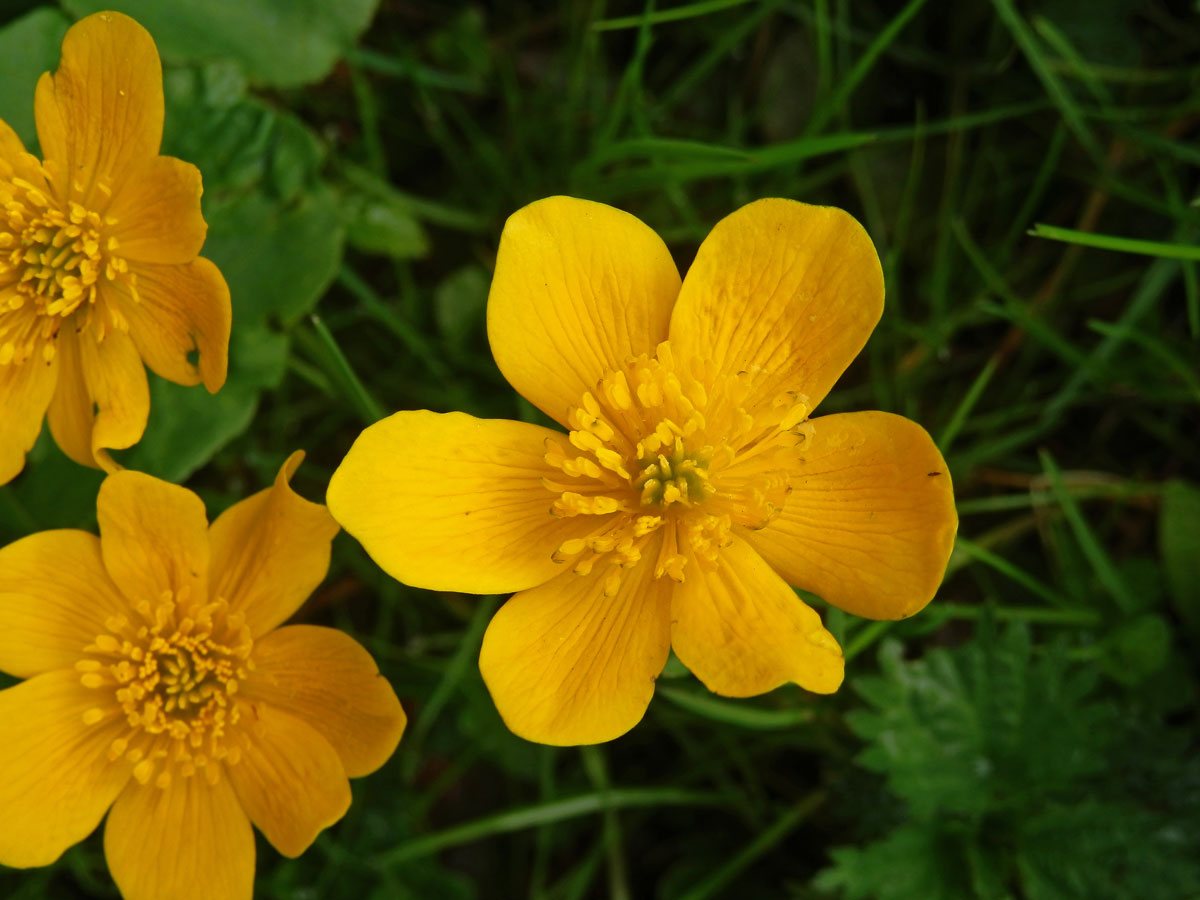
(172, 674)
(672, 460)
(53, 258)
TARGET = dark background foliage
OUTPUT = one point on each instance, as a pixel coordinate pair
(1033, 734)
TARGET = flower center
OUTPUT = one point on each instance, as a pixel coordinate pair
(173, 674)
(670, 459)
(51, 260)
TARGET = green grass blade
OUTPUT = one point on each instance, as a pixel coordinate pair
(767, 840)
(1004, 567)
(596, 767)
(737, 714)
(1120, 244)
(846, 86)
(1038, 61)
(1156, 348)
(675, 14)
(344, 375)
(545, 814)
(965, 406)
(456, 669)
(1091, 546)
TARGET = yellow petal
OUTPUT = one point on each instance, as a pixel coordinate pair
(25, 392)
(870, 522)
(179, 310)
(100, 115)
(189, 841)
(16, 160)
(328, 680)
(54, 597)
(578, 287)
(102, 399)
(58, 781)
(270, 551)
(742, 631)
(289, 779)
(567, 665)
(785, 291)
(157, 213)
(454, 503)
(71, 413)
(154, 538)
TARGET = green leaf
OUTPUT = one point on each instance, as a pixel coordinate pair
(285, 43)
(965, 732)
(188, 425)
(274, 228)
(1137, 649)
(459, 303)
(1104, 851)
(53, 491)
(1178, 540)
(379, 225)
(278, 258)
(28, 47)
(911, 863)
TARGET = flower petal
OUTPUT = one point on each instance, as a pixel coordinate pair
(578, 287)
(567, 665)
(100, 115)
(58, 781)
(16, 160)
(742, 631)
(153, 537)
(102, 399)
(25, 392)
(454, 503)
(870, 522)
(54, 597)
(783, 290)
(181, 309)
(289, 779)
(157, 213)
(188, 841)
(270, 551)
(328, 680)
(71, 413)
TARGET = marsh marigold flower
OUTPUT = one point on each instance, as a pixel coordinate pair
(692, 487)
(98, 255)
(160, 685)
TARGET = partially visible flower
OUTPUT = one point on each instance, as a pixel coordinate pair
(692, 488)
(98, 255)
(159, 684)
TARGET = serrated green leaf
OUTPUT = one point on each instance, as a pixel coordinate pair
(911, 863)
(1098, 851)
(285, 43)
(1178, 540)
(962, 732)
(28, 47)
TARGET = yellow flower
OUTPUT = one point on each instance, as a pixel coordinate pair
(692, 488)
(158, 684)
(98, 255)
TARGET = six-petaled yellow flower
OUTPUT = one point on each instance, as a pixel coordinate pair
(98, 255)
(692, 488)
(160, 685)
